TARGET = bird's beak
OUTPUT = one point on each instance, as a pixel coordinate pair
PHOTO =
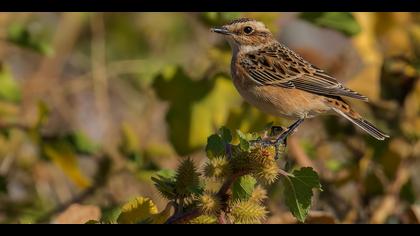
(221, 31)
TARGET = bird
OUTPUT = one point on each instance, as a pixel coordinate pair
(278, 81)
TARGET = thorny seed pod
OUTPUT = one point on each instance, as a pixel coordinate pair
(247, 212)
(209, 203)
(217, 168)
(187, 178)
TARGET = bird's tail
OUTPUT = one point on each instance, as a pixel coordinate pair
(342, 108)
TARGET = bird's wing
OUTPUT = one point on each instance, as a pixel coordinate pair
(277, 65)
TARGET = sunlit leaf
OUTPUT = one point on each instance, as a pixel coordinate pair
(219, 18)
(20, 35)
(9, 89)
(343, 22)
(62, 154)
(243, 187)
(82, 143)
(298, 191)
(196, 107)
(137, 210)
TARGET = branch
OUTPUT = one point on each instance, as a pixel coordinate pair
(101, 177)
(223, 193)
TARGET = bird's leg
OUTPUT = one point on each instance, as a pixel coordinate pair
(281, 140)
(276, 130)
(267, 138)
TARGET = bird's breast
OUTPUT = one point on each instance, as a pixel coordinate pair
(278, 101)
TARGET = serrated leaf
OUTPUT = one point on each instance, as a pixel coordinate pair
(9, 89)
(137, 210)
(343, 22)
(243, 141)
(215, 146)
(298, 191)
(225, 134)
(216, 143)
(243, 187)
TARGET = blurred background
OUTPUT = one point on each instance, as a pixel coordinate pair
(93, 104)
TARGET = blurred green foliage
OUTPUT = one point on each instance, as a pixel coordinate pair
(196, 107)
(148, 89)
(9, 89)
(21, 35)
(343, 22)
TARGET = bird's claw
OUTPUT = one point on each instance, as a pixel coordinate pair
(281, 134)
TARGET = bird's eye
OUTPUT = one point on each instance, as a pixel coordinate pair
(248, 30)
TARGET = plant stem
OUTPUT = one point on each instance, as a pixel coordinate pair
(222, 194)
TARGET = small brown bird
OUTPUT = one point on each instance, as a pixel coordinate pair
(276, 80)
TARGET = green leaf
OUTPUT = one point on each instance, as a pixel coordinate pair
(407, 192)
(215, 146)
(165, 186)
(343, 22)
(165, 181)
(166, 173)
(219, 18)
(216, 143)
(130, 144)
(82, 143)
(244, 139)
(20, 35)
(43, 112)
(196, 106)
(243, 187)
(9, 89)
(225, 134)
(110, 214)
(298, 191)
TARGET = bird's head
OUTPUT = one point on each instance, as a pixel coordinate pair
(245, 32)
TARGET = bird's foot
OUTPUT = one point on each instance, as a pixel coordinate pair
(280, 134)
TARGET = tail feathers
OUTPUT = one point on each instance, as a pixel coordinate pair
(365, 125)
(345, 110)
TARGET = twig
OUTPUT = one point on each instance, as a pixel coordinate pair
(222, 194)
(299, 154)
(101, 177)
(389, 202)
(14, 125)
(185, 217)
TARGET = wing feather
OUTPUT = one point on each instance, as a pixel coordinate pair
(279, 66)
